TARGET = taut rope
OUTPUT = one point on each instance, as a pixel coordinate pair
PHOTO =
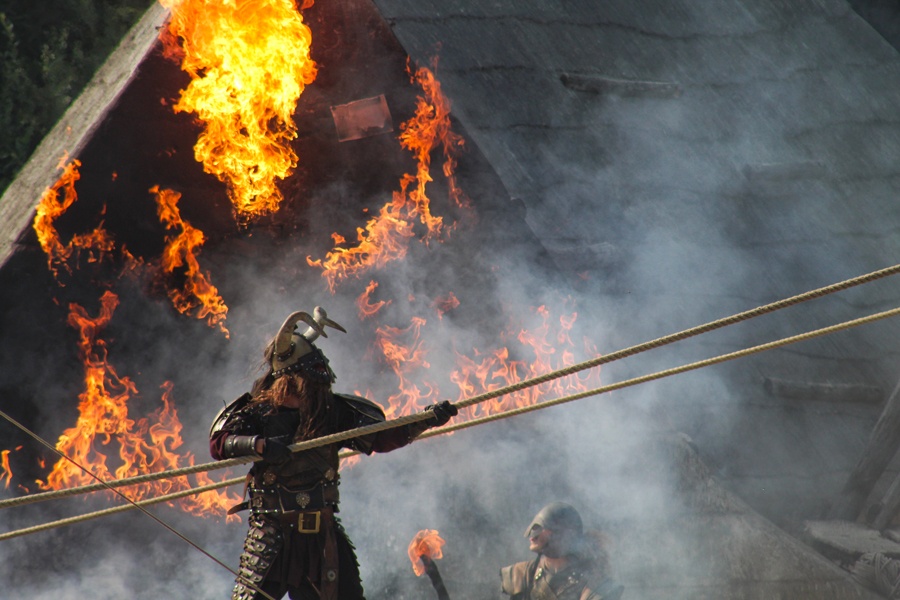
(600, 360)
(486, 419)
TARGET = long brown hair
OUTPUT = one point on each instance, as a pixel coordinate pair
(314, 398)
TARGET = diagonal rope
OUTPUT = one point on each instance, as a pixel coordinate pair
(133, 504)
(604, 359)
(503, 415)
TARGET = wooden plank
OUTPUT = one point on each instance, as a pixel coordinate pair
(74, 129)
(880, 449)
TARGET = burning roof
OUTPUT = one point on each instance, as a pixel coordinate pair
(452, 290)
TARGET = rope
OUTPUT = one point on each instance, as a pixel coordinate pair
(879, 572)
(503, 415)
(133, 504)
(604, 359)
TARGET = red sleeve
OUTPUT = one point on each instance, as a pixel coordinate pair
(216, 444)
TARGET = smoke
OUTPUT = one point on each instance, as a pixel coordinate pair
(645, 216)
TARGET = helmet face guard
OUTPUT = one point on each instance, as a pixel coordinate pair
(293, 352)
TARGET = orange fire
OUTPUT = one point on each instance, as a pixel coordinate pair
(197, 295)
(496, 369)
(430, 126)
(365, 306)
(104, 421)
(548, 346)
(249, 63)
(445, 304)
(425, 543)
(5, 470)
(386, 236)
(50, 208)
(405, 354)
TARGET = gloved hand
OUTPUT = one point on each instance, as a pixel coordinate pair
(276, 451)
(442, 413)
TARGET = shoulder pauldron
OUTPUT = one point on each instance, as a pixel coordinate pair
(226, 413)
(365, 412)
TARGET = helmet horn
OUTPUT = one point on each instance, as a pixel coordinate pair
(316, 329)
(283, 340)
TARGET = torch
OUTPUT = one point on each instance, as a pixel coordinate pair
(423, 549)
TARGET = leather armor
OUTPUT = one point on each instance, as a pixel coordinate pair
(529, 581)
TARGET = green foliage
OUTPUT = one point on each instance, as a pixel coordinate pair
(48, 52)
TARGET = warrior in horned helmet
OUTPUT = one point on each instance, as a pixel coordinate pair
(295, 543)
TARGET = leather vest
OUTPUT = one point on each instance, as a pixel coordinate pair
(529, 581)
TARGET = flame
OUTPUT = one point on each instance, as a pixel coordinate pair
(366, 308)
(425, 543)
(553, 349)
(445, 304)
(249, 63)
(386, 236)
(429, 126)
(104, 420)
(5, 470)
(197, 294)
(50, 208)
(404, 359)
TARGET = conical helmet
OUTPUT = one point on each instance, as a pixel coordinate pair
(294, 352)
(557, 516)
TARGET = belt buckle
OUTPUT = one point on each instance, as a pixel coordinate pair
(301, 522)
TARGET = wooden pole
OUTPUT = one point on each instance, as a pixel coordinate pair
(879, 451)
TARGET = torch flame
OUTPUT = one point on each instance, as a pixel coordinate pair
(249, 63)
(426, 543)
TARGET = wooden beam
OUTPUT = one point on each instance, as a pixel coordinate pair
(880, 449)
(74, 129)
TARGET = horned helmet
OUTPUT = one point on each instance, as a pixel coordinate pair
(293, 352)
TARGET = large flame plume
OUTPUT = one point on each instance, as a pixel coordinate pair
(249, 62)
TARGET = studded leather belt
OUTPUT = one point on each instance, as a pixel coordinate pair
(305, 521)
